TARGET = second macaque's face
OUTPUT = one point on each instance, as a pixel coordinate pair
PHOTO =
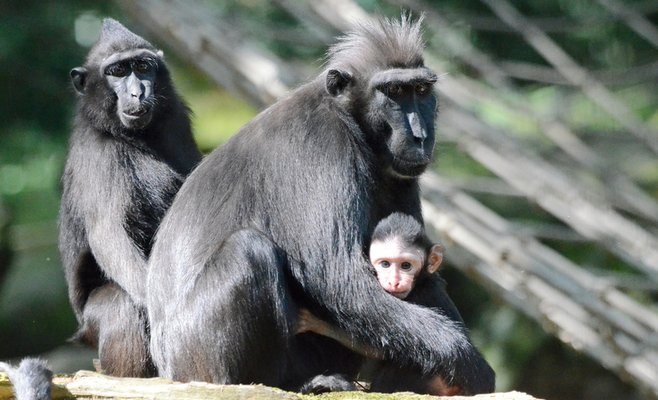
(397, 265)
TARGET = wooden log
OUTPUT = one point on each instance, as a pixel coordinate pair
(92, 385)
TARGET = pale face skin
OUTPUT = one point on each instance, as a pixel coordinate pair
(398, 264)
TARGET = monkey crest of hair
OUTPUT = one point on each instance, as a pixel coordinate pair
(31, 380)
(382, 43)
(116, 38)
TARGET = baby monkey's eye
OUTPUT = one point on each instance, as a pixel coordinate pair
(384, 264)
(406, 266)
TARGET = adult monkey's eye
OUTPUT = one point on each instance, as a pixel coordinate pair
(142, 67)
(118, 70)
(422, 88)
(394, 90)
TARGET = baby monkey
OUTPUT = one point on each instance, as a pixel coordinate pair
(402, 255)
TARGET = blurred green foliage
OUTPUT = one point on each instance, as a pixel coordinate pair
(216, 115)
(38, 47)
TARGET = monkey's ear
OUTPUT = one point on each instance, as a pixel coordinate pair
(435, 258)
(337, 81)
(160, 54)
(79, 78)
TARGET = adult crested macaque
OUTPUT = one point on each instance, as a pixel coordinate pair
(275, 219)
(130, 150)
(402, 255)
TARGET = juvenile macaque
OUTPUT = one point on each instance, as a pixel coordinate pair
(401, 254)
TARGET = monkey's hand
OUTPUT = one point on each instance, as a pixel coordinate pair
(307, 322)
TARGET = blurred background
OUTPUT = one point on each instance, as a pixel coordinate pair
(546, 184)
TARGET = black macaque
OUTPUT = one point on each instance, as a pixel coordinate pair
(402, 255)
(277, 218)
(130, 150)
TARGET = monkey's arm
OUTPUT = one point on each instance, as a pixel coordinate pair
(98, 195)
(118, 257)
(310, 323)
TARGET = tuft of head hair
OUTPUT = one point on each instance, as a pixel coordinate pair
(402, 226)
(379, 44)
(32, 379)
(116, 38)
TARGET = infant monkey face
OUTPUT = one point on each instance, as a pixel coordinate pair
(397, 265)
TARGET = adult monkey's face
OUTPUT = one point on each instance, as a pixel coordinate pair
(402, 110)
(119, 82)
(132, 77)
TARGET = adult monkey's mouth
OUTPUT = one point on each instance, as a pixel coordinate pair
(136, 112)
(409, 168)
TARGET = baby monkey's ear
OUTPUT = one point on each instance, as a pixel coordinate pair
(434, 258)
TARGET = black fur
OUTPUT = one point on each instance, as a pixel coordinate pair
(328, 383)
(117, 184)
(314, 173)
(407, 228)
